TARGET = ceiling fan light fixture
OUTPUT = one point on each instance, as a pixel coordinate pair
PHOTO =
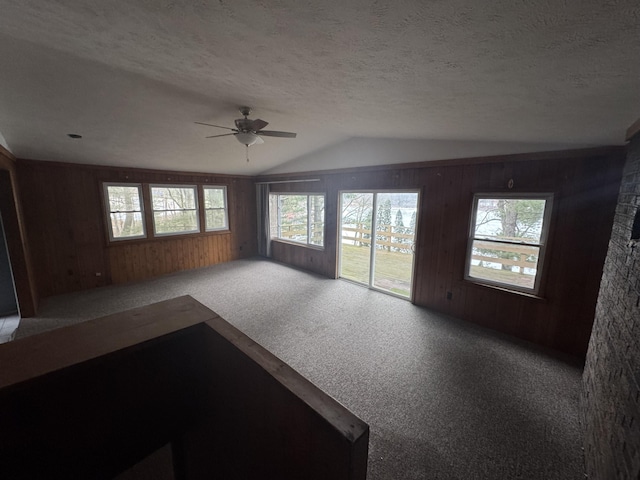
(247, 138)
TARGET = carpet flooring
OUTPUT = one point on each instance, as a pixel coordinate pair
(444, 399)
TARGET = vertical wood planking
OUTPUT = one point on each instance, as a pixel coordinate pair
(145, 260)
(451, 237)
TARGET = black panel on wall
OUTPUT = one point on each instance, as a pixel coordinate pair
(8, 303)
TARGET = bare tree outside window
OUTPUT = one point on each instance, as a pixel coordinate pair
(215, 208)
(297, 218)
(175, 209)
(125, 211)
(508, 239)
(356, 212)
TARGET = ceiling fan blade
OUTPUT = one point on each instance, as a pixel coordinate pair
(212, 125)
(258, 124)
(248, 125)
(223, 135)
(273, 133)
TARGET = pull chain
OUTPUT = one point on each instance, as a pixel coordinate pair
(247, 153)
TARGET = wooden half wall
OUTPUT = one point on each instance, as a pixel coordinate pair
(91, 400)
(67, 229)
(585, 185)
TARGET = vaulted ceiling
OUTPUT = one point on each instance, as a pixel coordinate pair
(441, 79)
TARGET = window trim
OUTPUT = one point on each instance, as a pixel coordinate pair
(108, 211)
(306, 244)
(196, 209)
(543, 245)
(225, 208)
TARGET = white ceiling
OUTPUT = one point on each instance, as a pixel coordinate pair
(457, 75)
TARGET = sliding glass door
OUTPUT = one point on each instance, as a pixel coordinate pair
(377, 231)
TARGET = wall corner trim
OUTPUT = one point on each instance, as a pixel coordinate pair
(6, 153)
(633, 130)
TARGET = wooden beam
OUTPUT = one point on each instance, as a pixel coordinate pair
(8, 156)
(465, 161)
(169, 174)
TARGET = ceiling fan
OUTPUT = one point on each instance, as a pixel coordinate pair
(249, 132)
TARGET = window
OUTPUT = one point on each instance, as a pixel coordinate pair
(215, 208)
(175, 209)
(297, 218)
(125, 208)
(507, 240)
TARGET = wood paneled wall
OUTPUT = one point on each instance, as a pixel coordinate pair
(142, 260)
(66, 227)
(64, 219)
(585, 184)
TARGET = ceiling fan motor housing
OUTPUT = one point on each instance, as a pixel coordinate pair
(244, 125)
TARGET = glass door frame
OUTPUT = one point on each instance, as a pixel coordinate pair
(374, 221)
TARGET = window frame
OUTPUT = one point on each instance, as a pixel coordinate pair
(196, 208)
(542, 245)
(225, 208)
(108, 211)
(306, 244)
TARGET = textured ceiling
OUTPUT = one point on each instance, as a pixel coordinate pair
(132, 77)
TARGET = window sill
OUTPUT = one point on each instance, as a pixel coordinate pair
(480, 285)
(160, 238)
(298, 244)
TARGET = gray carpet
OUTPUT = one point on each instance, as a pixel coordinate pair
(444, 399)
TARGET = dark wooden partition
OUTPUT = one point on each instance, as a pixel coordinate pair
(289, 428)
(91, 400)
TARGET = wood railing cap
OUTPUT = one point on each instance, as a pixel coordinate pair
(341, 419)
(41, 354)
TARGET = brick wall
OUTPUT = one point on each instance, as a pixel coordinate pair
(610, 401)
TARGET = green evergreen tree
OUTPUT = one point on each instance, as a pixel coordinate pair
(384, 221)
(399, 228)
